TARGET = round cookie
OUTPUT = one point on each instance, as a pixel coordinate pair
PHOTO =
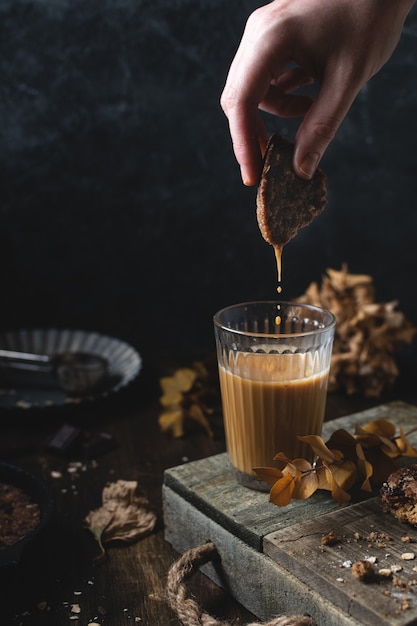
(285, 202)
(399, 494)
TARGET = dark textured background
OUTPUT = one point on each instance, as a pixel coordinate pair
(121, 207)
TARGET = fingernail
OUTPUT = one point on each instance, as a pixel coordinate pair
(247, 178)
(309, 164)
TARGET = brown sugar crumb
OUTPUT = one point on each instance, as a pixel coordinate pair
(329, 539)
(379, 538)
(18, 515)
(363, 570)
(405, 604)
(398, 583)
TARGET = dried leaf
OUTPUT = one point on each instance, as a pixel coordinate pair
(404, 446)
(282, 490)
(368, 335)
(381, 428)
(301, 465)
(306, 485)
(344, 473)
(96, 521)
(324, 477)
(171, 397)
(173, 387)
(319, 447)
(196, 413)
(378, 433)
(343, 280)
(365, 468)
(390, 449)
(343, 441)
(172, 420)
(187, 395)
(268, 474)
(340, 480)
(382, 464)
(369, 454)
(123, 516)
(185, 378)
(339, 494)
(281, 456)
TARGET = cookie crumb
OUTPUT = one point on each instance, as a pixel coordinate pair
(363, 570)
(329, 539)
(396, 568)
(386, 572)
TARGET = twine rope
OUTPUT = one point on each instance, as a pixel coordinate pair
(189, 611)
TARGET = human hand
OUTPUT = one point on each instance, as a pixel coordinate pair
(290, 43)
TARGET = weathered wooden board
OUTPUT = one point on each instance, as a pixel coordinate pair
(210, 486)
(364, 531)
(202, 501)
(254, 579)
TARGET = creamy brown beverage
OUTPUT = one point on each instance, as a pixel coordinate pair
(278, 258)
(274, 360)
(269, 399)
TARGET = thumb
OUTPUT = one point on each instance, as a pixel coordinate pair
(319, 127)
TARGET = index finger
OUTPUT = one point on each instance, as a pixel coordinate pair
(248, 82)
(249, 139)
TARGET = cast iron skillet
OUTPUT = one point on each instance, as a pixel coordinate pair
(35, 487)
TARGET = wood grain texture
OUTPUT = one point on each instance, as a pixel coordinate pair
(364, 531)
(210, 486)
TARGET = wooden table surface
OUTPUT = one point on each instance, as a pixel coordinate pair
(129, 586)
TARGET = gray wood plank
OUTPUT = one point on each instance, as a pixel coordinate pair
(255, 580)
(209, 485)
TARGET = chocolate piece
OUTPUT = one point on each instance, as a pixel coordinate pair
(285, 202)
(64, 438)
(71, 441)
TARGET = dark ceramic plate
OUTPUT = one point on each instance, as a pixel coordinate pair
(34, 487)
(28, 390)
